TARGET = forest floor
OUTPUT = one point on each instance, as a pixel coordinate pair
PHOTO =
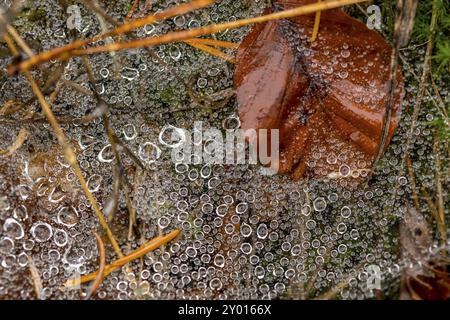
(243, 235)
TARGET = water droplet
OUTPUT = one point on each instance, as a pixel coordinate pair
(149, 29)
(175, 52)
(262, 231)
(85, 141)
(106, 155)
(241, 208)
(341, 228)
(68, 216)
(149, 152)
(20, 213)
(163, 222)
(13, 229)
(320, 204)
(246, 230)
(246, 248)
(172, 137)
(41, 231)
(345, 53)
(94, 182)
(129, 73)
(344, 170)
(60, 237)
(219, 260)
(191, 252)
(6, 245)
(129, 132)
(346, 212)
(222, 210)
(215, 284)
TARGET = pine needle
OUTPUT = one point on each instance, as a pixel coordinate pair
(316, 25)
(100, 275)
(64, 53)
(214, 43)
(136, 254)
(210, 50)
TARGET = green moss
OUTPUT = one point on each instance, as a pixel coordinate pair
(37, 15)
(127, 7)
(442, 56)
(167, 95)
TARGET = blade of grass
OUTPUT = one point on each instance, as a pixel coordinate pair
(412, 178)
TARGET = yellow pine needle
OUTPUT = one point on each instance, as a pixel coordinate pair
(136, 254)
(63, 52)
(181, 35)
(102, 264)
(214, 43)
(62, 139)
(316, 25)
(187, 34)
(210, 50)
(171, 12)
(19, 40)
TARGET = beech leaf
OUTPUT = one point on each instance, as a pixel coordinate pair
(327, 98)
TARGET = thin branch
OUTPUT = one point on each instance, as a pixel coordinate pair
(187, 34)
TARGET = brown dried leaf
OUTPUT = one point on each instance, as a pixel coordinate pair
(327, 98)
